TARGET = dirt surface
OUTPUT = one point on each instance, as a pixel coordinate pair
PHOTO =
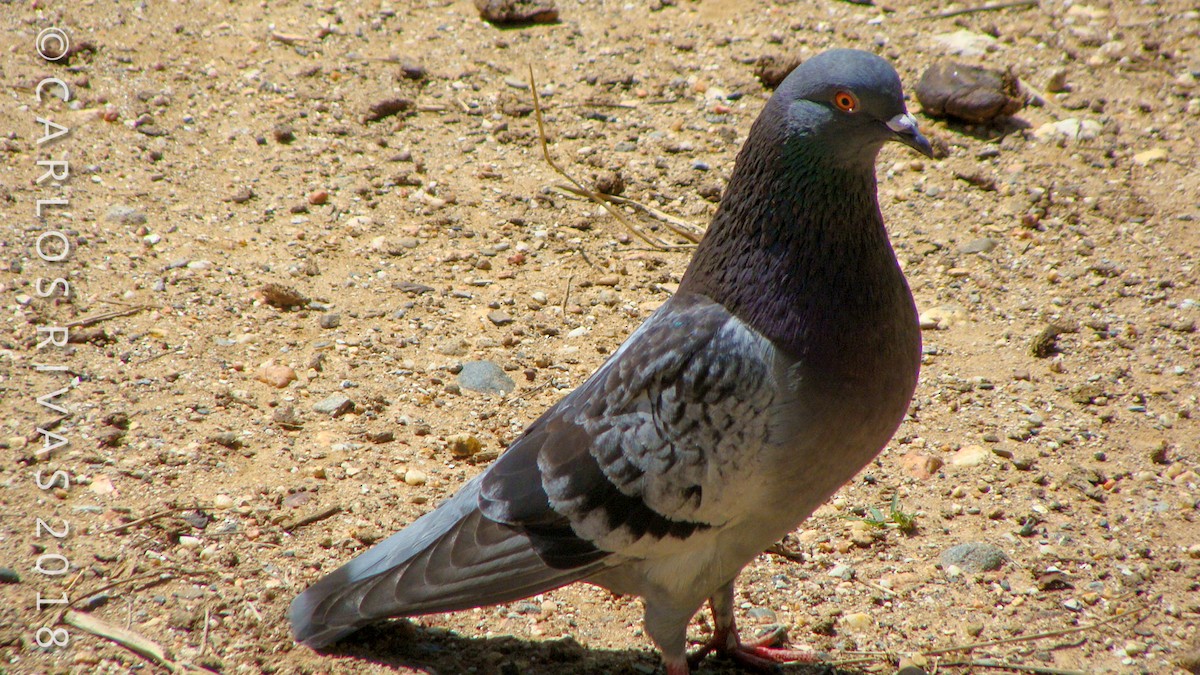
(379, 160)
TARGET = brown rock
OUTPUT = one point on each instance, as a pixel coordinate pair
(499, 317)
(387, 108)
(517, 11)
(275, 375)
(242, 196)
(772, 69)
(969, 93)
(284, 297)
(464, 445)
(610, 183)
(921, 467)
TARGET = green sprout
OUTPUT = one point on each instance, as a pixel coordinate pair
(896, 519)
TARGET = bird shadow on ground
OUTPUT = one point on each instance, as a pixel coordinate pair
(988, 132)
(437, 651)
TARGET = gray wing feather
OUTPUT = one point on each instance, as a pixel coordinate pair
(453, 558)
(641, 452)
(628, 465)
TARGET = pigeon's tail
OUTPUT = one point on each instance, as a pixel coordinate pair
(453, 558)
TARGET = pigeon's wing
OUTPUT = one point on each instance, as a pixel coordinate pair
(662, 442)
(630, 462)
(449, 559)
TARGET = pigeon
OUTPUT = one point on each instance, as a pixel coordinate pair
(782, 365)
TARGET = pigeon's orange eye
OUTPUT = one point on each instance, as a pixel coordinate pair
(845, 101)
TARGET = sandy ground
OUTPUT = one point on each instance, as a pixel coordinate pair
(215, 148)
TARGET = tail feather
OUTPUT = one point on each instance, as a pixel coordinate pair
(453, 558)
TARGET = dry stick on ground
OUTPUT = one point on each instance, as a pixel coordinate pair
(567, 296)
(528, 392)
(683, 228)
(1002, 641)
(655, 242)
(982, 8)
(311, 518)
(128, 639)
(99, 318)
(160, 576)
(204, 634)
(155, 516)
(780, 549)
(992, 663)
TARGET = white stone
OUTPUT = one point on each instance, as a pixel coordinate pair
(965, 43)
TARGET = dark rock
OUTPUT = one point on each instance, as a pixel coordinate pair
(1046, 342)
(334, 405)
(283, 133)
(286, 417)
(387, 108)
(125, 215)
(983, 245)
(242, 196)
(412, 287)
(228, 439)
(610, 183)
(973, 557)
(284, 297)
(969, 93)
(772, 69)
(413, 71)
(517, 11)
(486, 377)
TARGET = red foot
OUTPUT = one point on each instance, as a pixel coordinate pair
(757, 654)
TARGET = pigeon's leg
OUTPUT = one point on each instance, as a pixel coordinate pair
(667, 626)
(755, 654)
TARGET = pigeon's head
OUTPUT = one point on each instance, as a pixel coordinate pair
(843, 105)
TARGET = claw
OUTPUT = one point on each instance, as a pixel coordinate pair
(758, 654)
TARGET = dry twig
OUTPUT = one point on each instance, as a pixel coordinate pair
(128, 639)
(310, 518)
(155, 516)
(161, 576)
(204, 634)
(993, 663)
(683, 228)
(991, 643)
(567, 296)
(655, 242)
(105, 316)
(982, 8)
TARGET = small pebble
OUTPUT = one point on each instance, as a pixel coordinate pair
(1149, 157)
(278, 376)
(125, 215)
(970, 455)
(842, 571)
(973, 557)
(517, 11)
(486, 377)
(858, 622)
(500, 317)
(463, 446)
(334, 405)
(921, 467)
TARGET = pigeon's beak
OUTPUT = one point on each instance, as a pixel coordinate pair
(904, 126)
